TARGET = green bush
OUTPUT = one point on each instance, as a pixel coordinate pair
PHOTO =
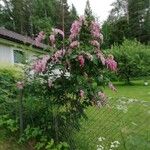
(133, 60)
(9, 75)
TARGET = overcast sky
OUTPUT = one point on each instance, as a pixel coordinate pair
(100, 8)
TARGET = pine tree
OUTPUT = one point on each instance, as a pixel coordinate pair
(88, 11)
(73, 13)
(137, 17)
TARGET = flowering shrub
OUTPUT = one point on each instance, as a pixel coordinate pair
(62, 84)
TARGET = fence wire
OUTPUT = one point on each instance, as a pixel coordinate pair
(123, 124)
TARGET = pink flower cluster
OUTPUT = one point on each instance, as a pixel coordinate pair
(95, 29)
(57, 55)
(89, 56)
(75, 29)
(111, 86)
(100, 55)
(40, 65)
(103, 99)
(102, 95)
(20, 85)
(58, 31)
(82, 19)
(52, 39)
(81, 60)
(111, 63)
(74, 44)
(95, 43)
(81, 93)
(50, 83)
(54, 33)
(39, 38)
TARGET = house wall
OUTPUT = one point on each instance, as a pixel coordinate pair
(7, 51)
(6, 54)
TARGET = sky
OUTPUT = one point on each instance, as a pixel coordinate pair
(100, 8)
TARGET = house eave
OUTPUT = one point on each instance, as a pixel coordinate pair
(21, 46)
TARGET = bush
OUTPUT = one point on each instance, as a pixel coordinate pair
(9, 75)
(133, 60)
(9, 115)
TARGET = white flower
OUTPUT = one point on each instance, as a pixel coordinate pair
(101, 139)
(123, 108)
(100, 147)
(130, 100)
(116, 142)
(112, 145)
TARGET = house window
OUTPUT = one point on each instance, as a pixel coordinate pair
(19, 57)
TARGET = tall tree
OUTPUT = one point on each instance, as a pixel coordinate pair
(16, 15)
(115, 32)
(129, 19)
(73, 13)
(138, 12)
(31, 16)
(120, 9)
(88, 10)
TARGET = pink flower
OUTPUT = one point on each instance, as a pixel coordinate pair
(81, 93)
(75, 29)
(111, 86)
(102, 58)
(56, 31)
(100, 55)
(40, 65)
(39, 38)
(57, 55)
(95, 29)
(89, 56)
(81, 60)
(101, 95)
(74, 44)
(111, 63)
(81, 19)
(20, 85)
(103, 99)
(50, 83)
(52, 39)
(95, 43)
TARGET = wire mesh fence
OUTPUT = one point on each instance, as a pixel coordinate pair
(122, 124)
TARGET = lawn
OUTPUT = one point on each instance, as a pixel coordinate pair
(125, 119)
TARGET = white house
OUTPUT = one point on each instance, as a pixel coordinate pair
(16, 48)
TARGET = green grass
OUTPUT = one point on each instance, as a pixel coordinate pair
(130, 125)
(137, 90)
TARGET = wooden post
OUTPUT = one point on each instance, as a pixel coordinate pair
(63, 22)
(21, 111)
